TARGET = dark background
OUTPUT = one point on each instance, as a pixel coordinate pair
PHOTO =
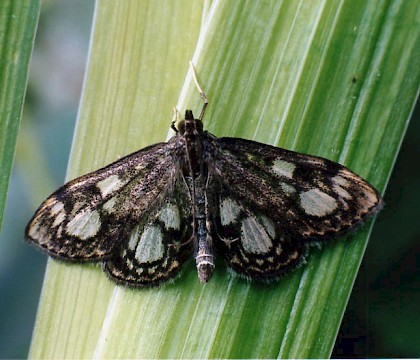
(383, 316)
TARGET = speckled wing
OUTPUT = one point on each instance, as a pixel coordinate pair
(158, 246)
(88, 218)
(252, 244)
(310, 197)
(271, 203)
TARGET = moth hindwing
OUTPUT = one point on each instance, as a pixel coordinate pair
(259, 207)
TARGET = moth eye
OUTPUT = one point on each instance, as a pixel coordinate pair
(181, 127)
(199, 125)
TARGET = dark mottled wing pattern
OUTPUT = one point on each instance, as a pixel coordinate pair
(273, 202)
(258, 205)
(88, 218)
(251, 242)
(158, 246)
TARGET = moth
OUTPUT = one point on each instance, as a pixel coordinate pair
(258, 206)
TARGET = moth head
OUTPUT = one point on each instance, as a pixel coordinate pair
(190, 125)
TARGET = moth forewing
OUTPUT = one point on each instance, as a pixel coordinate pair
(87, 219)
(312, 197)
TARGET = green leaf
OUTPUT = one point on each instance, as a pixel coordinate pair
(18, 21)
(334, 79)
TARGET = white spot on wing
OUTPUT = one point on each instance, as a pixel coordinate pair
(283, 168)
(229, 211)
(148, 247)
(170, 216)
(110, 184)
(317, 203)
(255, 235)
(58, 213)
(85, 224)
(110, 205)
(38, 232)
(56, 208)
(269, 226)
(341, 192)
(338, 183)
(288, 189)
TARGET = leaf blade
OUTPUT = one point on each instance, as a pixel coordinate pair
(291, 318)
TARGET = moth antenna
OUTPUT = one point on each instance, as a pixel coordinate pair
(200, 90)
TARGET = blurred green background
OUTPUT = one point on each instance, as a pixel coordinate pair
(383, 315)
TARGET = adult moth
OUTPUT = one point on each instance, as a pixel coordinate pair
(260, 207)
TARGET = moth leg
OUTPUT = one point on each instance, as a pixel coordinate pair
(191, 239)
(227, 241)
(200, 90)
(174, 120)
